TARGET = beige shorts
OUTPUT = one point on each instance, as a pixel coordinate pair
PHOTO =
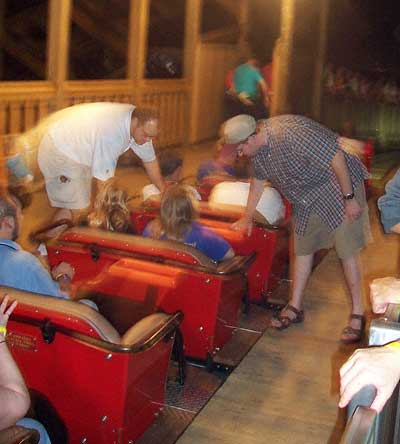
(68, 184)
(348, 238)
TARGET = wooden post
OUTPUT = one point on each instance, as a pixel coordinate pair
(137, 40)
(190, 60)
(2, 15)
(59, 21)
(320, 59)
(243, 17)
(192, 29)
(282, 58)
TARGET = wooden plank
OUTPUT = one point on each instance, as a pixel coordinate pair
(137, 39)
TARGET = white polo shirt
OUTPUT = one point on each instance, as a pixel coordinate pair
(96, 134)
(270, 205)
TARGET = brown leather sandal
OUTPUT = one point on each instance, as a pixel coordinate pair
(285, 320)
(352, 335)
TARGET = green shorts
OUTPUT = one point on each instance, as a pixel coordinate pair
(348, 238)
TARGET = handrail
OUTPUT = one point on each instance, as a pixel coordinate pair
(360, 428)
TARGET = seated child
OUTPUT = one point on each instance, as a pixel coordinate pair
(177, 222)
(171, 170)
(111, 210)
(226, 164)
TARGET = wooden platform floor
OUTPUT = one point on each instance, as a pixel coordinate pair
(286, 389)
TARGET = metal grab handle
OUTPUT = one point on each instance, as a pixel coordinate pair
(360, 418)
(362, 398)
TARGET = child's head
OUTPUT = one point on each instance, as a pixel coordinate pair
(170, 165)
(118, 220)
(177, 212)
(111, 210)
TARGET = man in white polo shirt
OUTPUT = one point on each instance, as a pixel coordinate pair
(85, 141)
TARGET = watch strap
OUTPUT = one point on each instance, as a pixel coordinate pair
(348, 196)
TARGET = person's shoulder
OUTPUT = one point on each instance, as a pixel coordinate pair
(150, 190)
(29, 260)
(199, 231)
(26, 261)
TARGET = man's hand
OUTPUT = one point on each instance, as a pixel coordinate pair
(244, 224)
(384, 291)
(352, 210)
(352, 146)
(378, 366)
(63, 268)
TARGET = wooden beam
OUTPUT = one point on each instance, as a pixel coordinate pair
(99, 31)
(282, 58)
(25, 56)
(2, 22)
(190, 64)
(58, 45)
(137, 40)
(224, 35)
(320, 59)
(192, 30)
(243, 18)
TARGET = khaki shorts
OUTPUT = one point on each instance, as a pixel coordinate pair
(68, 184)
(348, 238)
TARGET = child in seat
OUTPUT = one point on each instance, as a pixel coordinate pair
(177, 222)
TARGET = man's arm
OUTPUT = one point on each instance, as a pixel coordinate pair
(245, 223)
(264, 91)
(352, 146)
(153, 171)
(14, 396)
(339, 165)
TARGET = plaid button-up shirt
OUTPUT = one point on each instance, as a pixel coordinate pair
(297, 158)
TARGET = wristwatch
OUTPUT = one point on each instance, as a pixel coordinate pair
(348, 196)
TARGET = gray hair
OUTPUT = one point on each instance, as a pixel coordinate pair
(8, 207)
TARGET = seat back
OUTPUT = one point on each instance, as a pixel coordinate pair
(269, 243)
(69, 316)
(136, 245)
(67, 351)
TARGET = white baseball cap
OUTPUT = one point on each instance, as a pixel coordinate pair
(239, 128)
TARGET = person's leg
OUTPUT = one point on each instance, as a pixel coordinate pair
(352, 273)
(350, 238)
(302, 267)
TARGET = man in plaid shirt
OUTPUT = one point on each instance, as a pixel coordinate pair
(324, 184)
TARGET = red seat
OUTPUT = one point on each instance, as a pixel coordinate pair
(130, 275)
(89, 373)
(269, 244)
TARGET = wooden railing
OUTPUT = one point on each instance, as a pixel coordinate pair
(23, 104)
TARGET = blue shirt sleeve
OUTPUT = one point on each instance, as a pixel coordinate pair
(207, 241)
(146, 231)
(37, 279)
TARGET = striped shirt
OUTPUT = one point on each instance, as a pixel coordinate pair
(297, 158)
